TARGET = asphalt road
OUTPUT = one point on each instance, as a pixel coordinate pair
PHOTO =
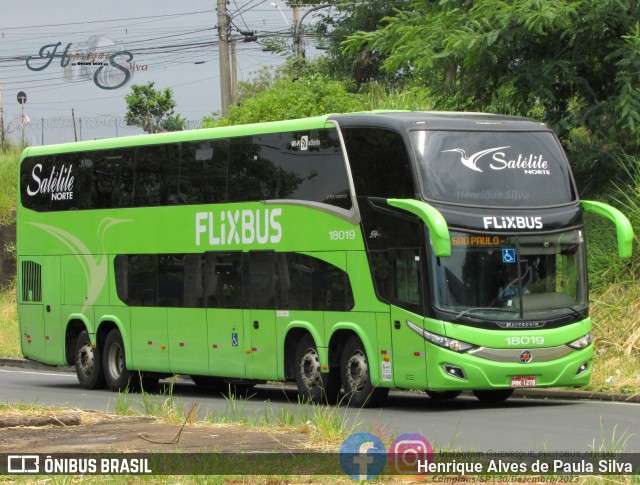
(520, 424)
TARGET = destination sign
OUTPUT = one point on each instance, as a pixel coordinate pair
(480, 241)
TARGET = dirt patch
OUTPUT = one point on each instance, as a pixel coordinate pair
(107, 433)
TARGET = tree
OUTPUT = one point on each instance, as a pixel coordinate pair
(574, 64)
(152, 110)
(310, 96)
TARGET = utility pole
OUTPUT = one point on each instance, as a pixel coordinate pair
(223, 43)
(73, 118)
(1, 119)
(234, 74)
(297, 39)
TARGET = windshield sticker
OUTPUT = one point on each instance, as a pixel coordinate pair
(304, 143)
(530, 164)
(508, 256)
(241, 226)
(512, 222)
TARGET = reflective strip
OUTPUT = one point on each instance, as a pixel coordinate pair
(513, 355)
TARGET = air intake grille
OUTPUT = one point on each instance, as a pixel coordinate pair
(31, 281)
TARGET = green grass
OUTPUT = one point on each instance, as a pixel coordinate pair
(9, 162)
(9, 336)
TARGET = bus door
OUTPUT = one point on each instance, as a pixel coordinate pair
(260, 318)
(30, 308)
(223, 300)
(409, 364)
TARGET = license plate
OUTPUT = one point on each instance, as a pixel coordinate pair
(523, 381)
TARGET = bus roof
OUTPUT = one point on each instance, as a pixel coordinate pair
(399, 120)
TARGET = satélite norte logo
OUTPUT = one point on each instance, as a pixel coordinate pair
(408, 451)
(530, 164)
(363, 456)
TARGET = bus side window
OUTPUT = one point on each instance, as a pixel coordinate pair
(112, 179)
(153, 175)
(379, 162)
(262, 280)
(308, 283)
(203, 172)
(223, 280)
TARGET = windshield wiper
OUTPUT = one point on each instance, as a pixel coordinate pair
(490, 309)
(573, 310)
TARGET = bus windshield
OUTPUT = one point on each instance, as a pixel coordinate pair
(492, 168)
(505, 277)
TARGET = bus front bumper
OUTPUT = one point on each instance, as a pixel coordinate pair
(457, 371)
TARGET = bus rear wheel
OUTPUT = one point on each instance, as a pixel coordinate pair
(313, 384)
(443, 395)
(115, 368)
(493, 395)
(88, 363)
(356, 378)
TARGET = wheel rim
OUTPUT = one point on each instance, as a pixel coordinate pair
(310, 369)
(357, 371)
(85, 360)
(115, 361)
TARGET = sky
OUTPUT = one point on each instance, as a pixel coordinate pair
(174, 44)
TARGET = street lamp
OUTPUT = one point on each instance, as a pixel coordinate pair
(297, 32)
(274, 4)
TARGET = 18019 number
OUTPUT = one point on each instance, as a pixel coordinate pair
(347, 235)
(525, 340)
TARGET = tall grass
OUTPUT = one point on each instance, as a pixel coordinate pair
(615, 291)
(9, 163)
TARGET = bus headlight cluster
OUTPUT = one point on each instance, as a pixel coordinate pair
(439, 340)
(582, 342)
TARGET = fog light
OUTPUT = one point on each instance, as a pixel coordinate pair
(582, 368)
(456, 372)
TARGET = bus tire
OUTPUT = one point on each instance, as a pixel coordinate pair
(356, 378)
(493, 395)
(114, 363)
(443, 395)
(88, 363)
(313, 384)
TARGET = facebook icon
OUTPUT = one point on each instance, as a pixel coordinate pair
(363, 456)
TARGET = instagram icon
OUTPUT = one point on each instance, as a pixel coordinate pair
(406, 451)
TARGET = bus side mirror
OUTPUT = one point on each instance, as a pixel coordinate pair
(435, 221)
(624, 231)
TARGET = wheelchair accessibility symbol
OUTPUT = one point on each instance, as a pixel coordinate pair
(508, 255)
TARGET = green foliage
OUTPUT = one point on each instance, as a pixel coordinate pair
(572, 64)
(364, 65)
(309, 96)
(9, 163)
(151, 109)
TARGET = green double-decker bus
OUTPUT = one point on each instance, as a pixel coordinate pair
(353, 252)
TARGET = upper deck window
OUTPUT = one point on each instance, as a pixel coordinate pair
(506, 169)
(304, 165)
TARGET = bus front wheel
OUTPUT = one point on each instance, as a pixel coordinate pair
(88, 363)
(115, 368)
(356, 377)
(313, 384)
(493, 395)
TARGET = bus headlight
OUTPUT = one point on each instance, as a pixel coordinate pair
(582, 342)
(439, 340)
